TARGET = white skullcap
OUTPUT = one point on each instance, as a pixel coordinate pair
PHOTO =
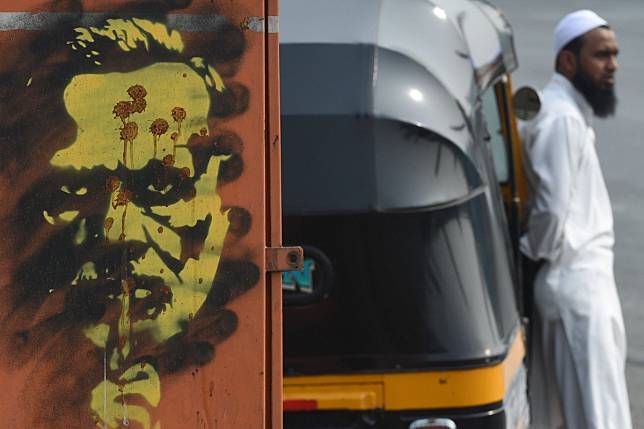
(574, 25)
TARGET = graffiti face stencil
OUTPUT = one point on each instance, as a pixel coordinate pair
(114, 279)
(161, 220)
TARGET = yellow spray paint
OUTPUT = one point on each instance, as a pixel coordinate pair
(69, 216)
(125, 324)
(177, 94)
(90, 101)
(129, 34)
(87, 272)
(62, 218)
(98, 334)
(212, 78)
(170, 39)
(114, 360)
(218, 81)
(49, 218)
(81, 234)
(108, 398)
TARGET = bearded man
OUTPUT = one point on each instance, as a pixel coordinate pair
(580, 349)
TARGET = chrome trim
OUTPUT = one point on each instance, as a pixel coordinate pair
(479, 190)
(420, 424)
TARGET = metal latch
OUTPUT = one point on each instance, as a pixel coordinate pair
(284, 259)
(256, 24)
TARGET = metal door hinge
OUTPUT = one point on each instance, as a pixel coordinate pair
(284, 259)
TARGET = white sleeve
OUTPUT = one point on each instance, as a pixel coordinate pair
(554, 155)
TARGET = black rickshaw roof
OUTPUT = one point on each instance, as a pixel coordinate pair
(463, 45)
(352, 72)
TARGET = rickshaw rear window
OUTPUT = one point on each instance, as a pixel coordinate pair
(409, 290)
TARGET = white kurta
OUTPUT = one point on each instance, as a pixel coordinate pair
(580, 348)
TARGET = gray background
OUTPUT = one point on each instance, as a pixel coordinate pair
(619, 142)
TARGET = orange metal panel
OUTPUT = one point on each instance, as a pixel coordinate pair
(133, 179)
(273, 142)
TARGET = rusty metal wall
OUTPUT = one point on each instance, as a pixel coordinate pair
(133, 181)
(274, 206)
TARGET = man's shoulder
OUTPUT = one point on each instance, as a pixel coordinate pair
(558, 103)
(556, 112)
(558, 116)
(555, 104)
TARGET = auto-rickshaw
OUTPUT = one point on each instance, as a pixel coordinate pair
(402, 181)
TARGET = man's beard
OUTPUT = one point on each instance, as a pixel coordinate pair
(603, 101)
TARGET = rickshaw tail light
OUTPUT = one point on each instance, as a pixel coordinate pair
(300, 405)
(433, 424)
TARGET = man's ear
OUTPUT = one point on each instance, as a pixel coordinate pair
(568, 63)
